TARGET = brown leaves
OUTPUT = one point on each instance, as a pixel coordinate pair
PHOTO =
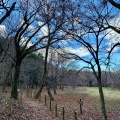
(34, 110)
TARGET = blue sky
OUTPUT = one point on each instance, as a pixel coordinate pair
(74, 47)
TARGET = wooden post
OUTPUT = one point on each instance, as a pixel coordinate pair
(75, 115)
(56, 110)
(34, 93)
(45, 100)
(31, 93)
(40, 98)
(10, 107)
(20, 100)
(50, 104)
(80, 102)
(27, 92)
(63, 114)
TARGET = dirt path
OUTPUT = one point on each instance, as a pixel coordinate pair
(34, 110)
(30, 110)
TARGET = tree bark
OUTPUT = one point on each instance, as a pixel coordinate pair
(41, 86)
(44, 72)
(8, 13)
(7, 77)
(103, 108)
(55, 90)
(14, 93)
(49, 93)
(115, 4)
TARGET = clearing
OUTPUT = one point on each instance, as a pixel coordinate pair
(32, 109)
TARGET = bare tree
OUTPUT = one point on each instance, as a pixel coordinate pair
(5, 9)
(59, 68)
(56, 37)
(36, 25)
(111, 26)
(114, 3)
(87, 31)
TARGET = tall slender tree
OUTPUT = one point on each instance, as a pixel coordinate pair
(86, 30)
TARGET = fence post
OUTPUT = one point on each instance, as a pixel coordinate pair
(10, 107)
(34, 94)
(56, 110)
(45, 100)
(20, 100)
(50, 104)
(75, 115)
(31, 93)
(63, 114)
(40, 98)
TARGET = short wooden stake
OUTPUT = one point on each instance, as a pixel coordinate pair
(10, 107)
(45, 100)
(63, 114)
(28, 93)
(50, 104)
(31, 93)
(20, 100)
(75, 115)
(34, 94)
(40, 98)
(55, 110)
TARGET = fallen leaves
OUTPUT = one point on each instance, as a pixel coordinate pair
(34, 110)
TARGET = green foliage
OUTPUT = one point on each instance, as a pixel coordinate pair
(35, 56)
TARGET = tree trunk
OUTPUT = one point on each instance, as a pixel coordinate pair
(49, 93)
(7, 77)
(14, 93)
(60, 85)
(44, 71)
(41, 86)
(103, 108)
(55, 90)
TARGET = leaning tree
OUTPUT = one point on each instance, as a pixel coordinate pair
(89, 36)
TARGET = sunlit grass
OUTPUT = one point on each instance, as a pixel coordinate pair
(93, 91)
(112, 96)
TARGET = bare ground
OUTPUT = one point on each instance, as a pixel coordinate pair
(32, 109)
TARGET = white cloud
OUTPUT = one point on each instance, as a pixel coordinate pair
(31, 28)
(2, 30)
(113, 37)
(81, 52)
(24, 40)
(44, 29)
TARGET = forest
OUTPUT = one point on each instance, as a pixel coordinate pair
(59, 59)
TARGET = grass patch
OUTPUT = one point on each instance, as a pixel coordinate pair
(112, 96)
(93, 91)
(113, 102)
